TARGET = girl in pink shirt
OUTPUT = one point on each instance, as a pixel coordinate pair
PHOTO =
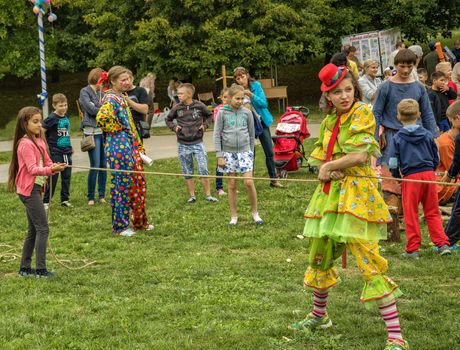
(29, 167)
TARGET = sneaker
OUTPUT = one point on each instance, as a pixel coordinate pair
(312, 322)
(67, 204)
(276, 184)
(221, 192)
(444, 250)
(453, 248)
(46, 205)
(191, 200)
(412, 255)
(43, 273)
(91, 202)
(26, 271)
(211, 199)
(233, 221)
(127, 232)
(150, 227)
(257, 219)
(397, 345)
(102, 201)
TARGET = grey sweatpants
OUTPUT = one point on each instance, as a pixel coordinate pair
(37, 235)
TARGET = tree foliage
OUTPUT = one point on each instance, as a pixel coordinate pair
(195, 37)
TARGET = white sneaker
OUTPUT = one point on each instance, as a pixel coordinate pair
(150, 227)
(47, 206)
(128, 232)
(221, 192)
(233, 221)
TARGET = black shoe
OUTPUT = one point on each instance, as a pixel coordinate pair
(26, 271)
(43, 273)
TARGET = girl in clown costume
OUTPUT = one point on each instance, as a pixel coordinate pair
(346, 211)
(123, 147)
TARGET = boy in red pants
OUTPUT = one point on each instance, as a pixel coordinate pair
(415, 156)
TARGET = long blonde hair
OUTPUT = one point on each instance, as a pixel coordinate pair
(24, 115)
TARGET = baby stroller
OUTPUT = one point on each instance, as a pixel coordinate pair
(290, 132)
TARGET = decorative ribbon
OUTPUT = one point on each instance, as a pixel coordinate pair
(104, 77)
(330, 148)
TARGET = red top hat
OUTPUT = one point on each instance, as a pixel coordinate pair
(331, 76)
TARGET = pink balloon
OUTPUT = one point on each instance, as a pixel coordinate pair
(52, 17)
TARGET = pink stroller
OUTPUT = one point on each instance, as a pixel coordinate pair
(290, 132)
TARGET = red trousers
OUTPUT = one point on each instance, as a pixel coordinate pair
(413, 194)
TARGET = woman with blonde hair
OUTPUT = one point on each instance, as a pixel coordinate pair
(369, 82)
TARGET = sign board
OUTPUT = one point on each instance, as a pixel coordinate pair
(376, 45)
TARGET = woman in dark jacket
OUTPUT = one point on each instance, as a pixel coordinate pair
(90, 102)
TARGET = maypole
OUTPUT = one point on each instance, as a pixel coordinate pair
(39, 12)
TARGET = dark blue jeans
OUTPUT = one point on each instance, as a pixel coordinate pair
(267, 144)
(97, 159)
(65, 178)
(219, 181)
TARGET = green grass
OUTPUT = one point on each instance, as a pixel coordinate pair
(195, 283)
(5, 157)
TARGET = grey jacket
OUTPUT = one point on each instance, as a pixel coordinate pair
(90, 102)
(234, 130)
(193, 119)
(368, 87)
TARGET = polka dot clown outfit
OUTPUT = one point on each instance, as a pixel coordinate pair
(122, 148)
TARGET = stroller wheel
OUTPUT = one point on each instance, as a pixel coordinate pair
(313, 170)
(283, 174)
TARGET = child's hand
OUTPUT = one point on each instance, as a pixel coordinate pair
(324, 174)
(220, 162)
(337, 175)
(178, 128)
(57, 167)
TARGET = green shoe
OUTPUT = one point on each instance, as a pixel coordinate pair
(396, 345)
(312, 322)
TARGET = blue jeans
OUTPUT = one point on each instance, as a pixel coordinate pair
(219, 181)
(66, 175)
(97, 159)
(267, 144)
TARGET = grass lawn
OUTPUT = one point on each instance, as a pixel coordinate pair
(195, 283)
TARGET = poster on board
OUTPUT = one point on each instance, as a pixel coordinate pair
(376, 45)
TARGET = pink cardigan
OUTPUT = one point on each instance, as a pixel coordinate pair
(29, 165)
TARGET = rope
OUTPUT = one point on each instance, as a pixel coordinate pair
(8, 254)
(456, 184)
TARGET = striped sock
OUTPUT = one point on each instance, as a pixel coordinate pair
(319, 302)
(391, 318)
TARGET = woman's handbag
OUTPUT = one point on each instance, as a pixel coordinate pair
(87, 143)
(258, 127)
(143, 128)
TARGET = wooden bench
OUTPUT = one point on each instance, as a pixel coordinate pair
(273, 92)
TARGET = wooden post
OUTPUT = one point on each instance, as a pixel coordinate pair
(224, 76)
(344, 259)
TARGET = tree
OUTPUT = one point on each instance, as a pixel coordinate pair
(195, 37)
